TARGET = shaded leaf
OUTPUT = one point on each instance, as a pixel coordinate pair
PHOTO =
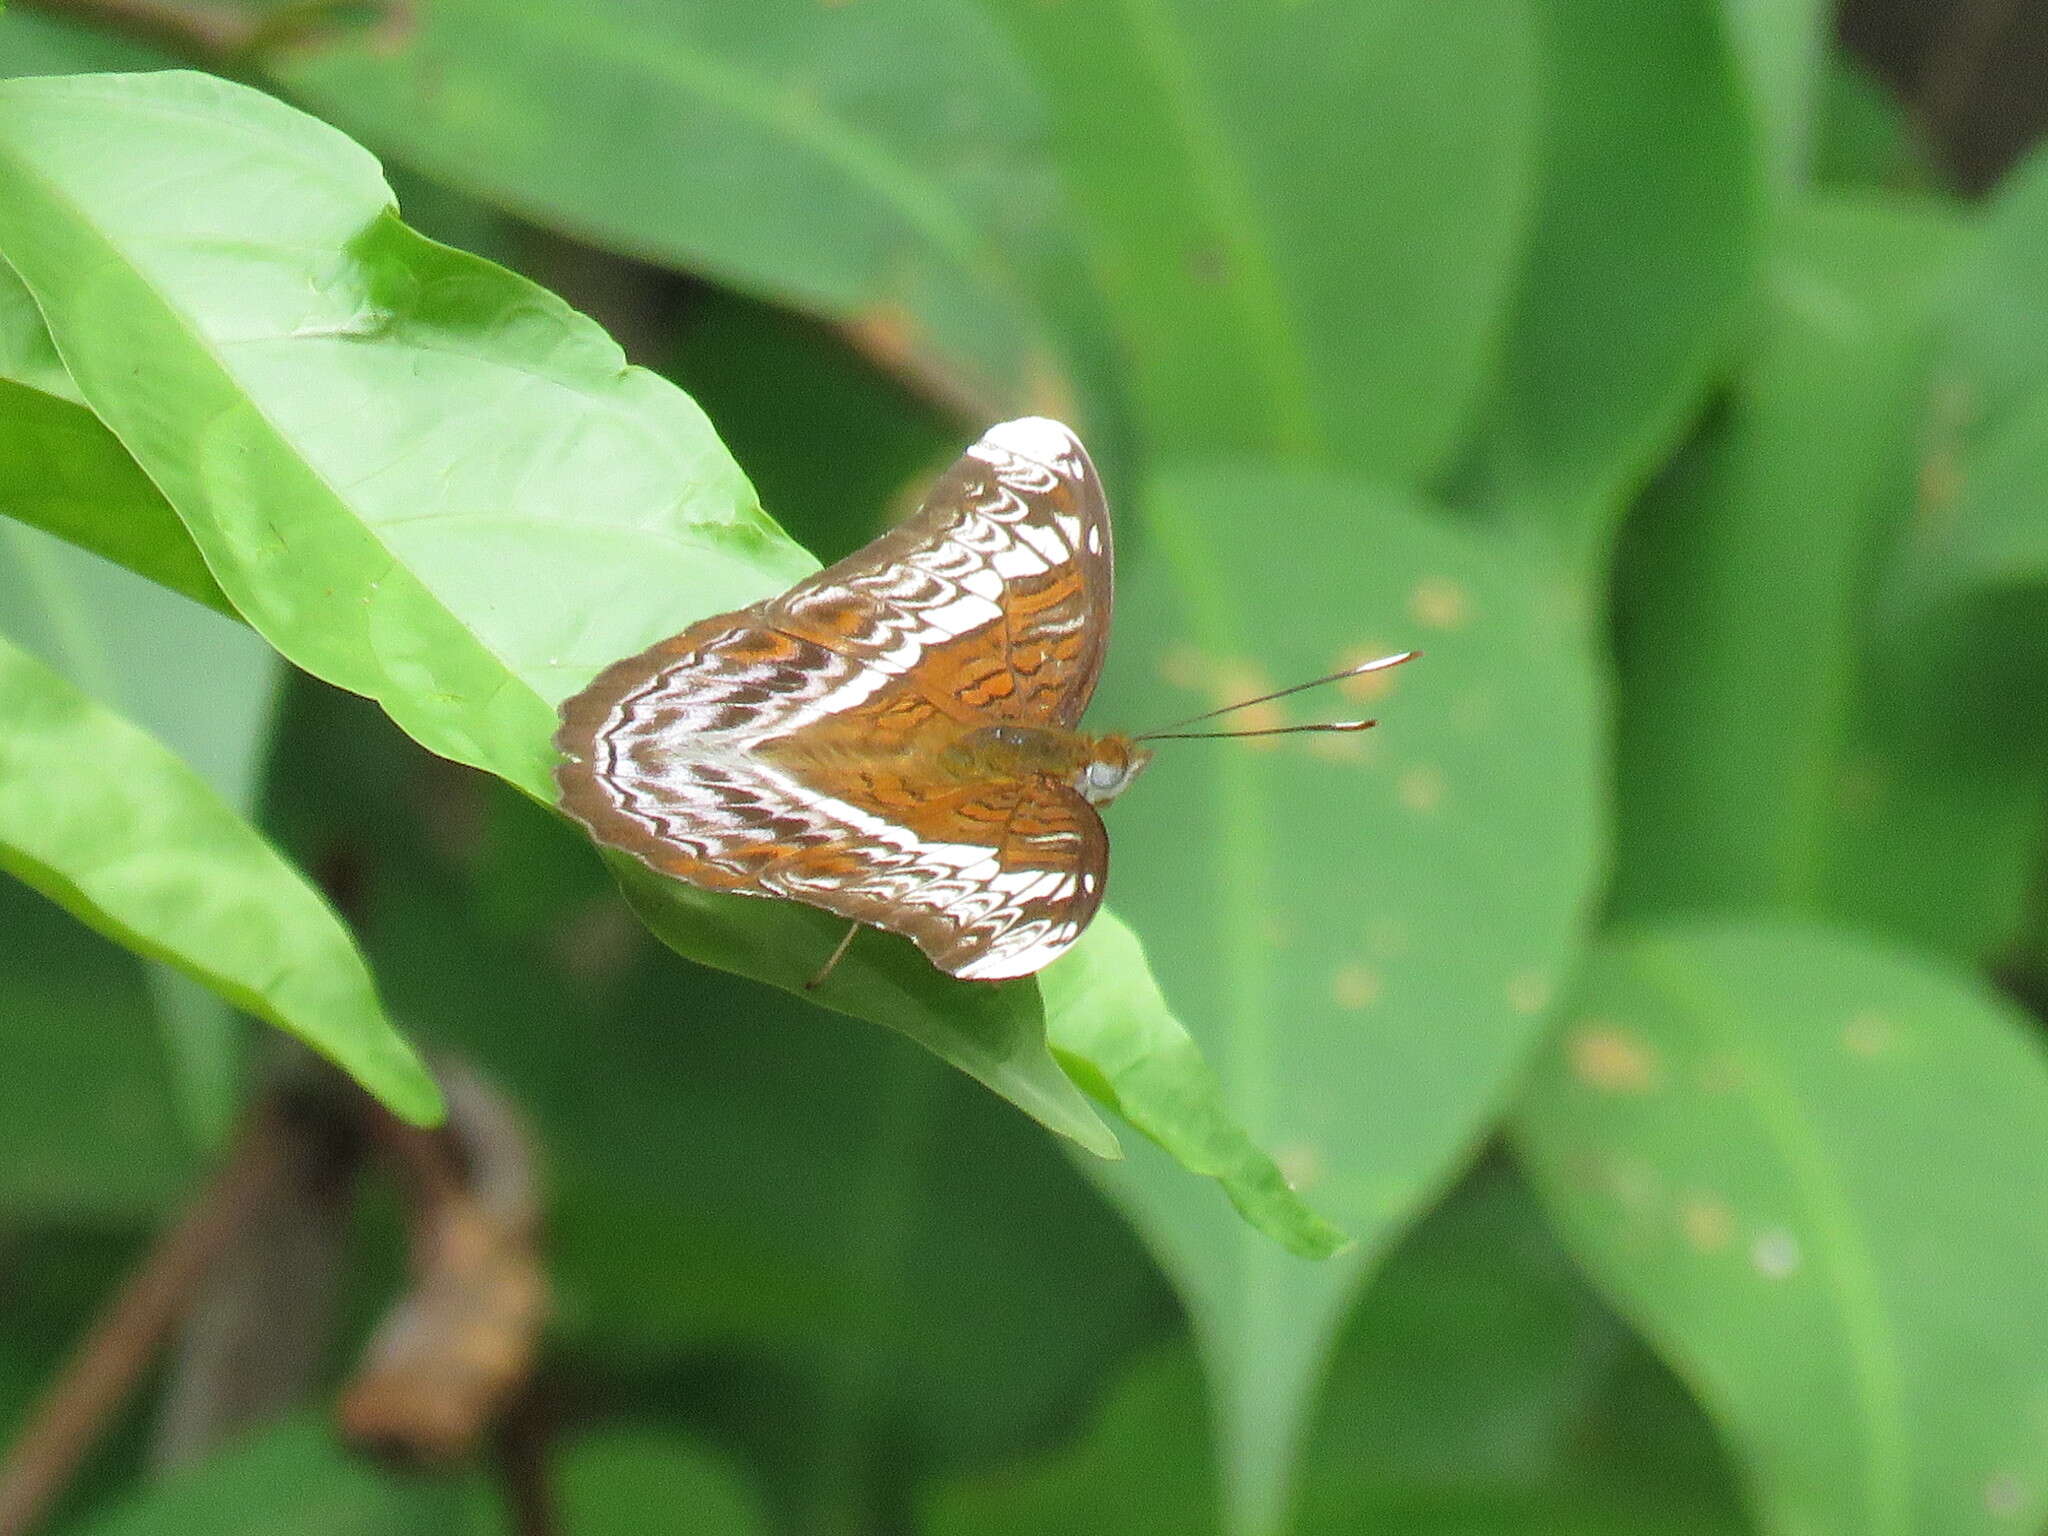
(203, 687)
(1966, 605)
(1340, 305)
(102, 819)
(1804, 1166)
(1762, 759)
(1647, 221)
(88, 1125)
(1864, 136)
(1479, 1388)
(610, 1483)
(726, 141)
(1332, 917)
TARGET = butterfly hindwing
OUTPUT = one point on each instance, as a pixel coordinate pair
(787, 749)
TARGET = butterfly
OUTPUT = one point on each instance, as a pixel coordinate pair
(895, 739)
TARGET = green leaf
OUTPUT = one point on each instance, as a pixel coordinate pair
(1339, 303)
(419, 476)
(1864, 136)
(1806, 1167)
(102, 819)
(1331, 916)
(610, 1483)
(1762, 759)
(63, 471)
(1783, 48)
(1646, 230)
(330, 1492)
(1111, 1027)
(298, 336)
(875, 164)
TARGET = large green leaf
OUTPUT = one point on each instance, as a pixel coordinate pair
(1480, 1389)
(1646, 228)
(877, 164)
(1339, 920)
(1302, 219)
(1809, 1168)
(103, 819)
(1763, 760)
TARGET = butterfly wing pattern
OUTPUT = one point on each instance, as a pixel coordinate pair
(798, 748)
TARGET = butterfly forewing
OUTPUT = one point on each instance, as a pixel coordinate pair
(794, 748)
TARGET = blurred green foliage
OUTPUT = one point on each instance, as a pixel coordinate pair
(1625, 1001)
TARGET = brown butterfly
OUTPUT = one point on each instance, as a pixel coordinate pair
(895, 739)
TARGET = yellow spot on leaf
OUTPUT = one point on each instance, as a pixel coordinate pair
(1233, 681)
(1869, 1034)
(1707, 1222)
(1775, 1254)
(1608, 1057)
(2005, 1494)
(1440, 603)
(1355, 986)
(1529, 993)
(1186, 668)
(1388, 937)
(1421, 789)
(1299, 1165)
(1340, 747)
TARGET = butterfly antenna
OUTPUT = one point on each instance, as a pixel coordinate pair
(1277, 730)
(1168, 732)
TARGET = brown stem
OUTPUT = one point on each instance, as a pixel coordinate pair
(206, 34)
(221, 37)
(522, 1467)
(104, 1370)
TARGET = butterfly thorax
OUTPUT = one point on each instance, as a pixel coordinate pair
(1098, 766)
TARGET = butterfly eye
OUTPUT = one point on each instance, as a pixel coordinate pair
(1104, 775)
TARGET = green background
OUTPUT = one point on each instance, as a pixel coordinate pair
(1607, 1098)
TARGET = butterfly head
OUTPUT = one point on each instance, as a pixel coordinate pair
(1113, 761)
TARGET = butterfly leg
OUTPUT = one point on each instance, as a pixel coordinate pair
(838, 954)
